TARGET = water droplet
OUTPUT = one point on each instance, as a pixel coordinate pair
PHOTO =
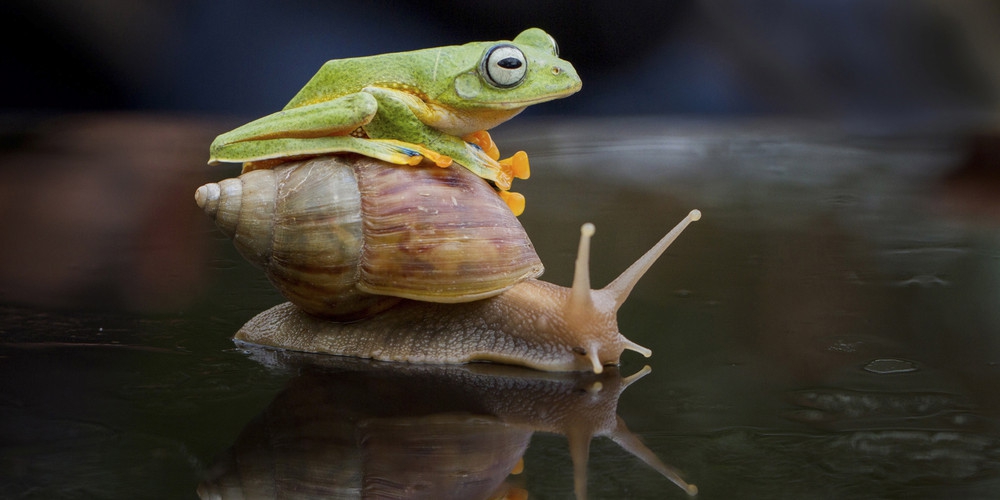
(924, 280)
(844, 346)
(888, 366)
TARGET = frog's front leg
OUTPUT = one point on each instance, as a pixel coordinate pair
(516, 165)
(482, 139)
(265, 138)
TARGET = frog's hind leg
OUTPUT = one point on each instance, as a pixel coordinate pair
(267, 151)
(336, 117)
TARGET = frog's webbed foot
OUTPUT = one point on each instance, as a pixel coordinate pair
(394, 151)
(515, 201)
(485, 142)
(509, 168)
(503, 171)
(409, 153)
(517, 165)
(514, 167)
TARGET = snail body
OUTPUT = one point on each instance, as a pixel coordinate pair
(450, 279)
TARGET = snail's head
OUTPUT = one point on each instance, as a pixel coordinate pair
(586, 326)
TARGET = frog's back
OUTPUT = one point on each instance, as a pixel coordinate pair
(415, 69)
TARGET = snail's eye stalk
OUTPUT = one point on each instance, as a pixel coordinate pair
(591, 356)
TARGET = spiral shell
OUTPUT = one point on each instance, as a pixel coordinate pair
(347, 236)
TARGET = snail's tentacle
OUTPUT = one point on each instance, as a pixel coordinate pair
(580, 301)
(622, 286)
(632, 346)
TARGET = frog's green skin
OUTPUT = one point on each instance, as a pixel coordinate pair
(410, 105)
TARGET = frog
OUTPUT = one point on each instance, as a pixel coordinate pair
(431, 106)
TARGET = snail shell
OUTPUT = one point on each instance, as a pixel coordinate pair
(345, 237)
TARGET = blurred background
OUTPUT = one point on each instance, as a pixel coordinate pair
(903, 63)
(846, 155)
(107, 107)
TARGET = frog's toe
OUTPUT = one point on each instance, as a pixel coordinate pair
(399, 155)
(517, 165)
(403, 153)
(438, 159)
(513, 200)
(485, 142)
(432, 156)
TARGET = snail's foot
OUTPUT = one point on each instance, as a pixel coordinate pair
(485, 142)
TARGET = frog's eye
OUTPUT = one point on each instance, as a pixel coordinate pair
(504, 66)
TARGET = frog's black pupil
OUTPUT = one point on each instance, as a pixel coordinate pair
(509, 63)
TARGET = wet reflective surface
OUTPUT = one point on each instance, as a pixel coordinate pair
(345, 428)
(828, 329)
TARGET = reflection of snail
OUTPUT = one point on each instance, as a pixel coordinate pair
(432, 260)
(356, 429)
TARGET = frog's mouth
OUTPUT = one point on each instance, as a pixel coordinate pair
(519, 104)
(510, 104)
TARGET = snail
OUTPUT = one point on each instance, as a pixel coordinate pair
(400, 263)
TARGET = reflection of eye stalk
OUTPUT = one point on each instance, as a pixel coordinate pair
(350, 428)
